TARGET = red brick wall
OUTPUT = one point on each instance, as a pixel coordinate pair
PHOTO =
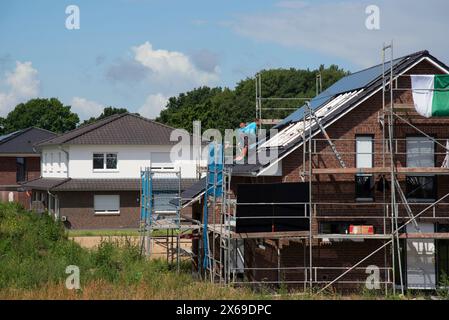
(33, 168)
(78, 207)
(8, 169)
(8, 177)
(335, 189)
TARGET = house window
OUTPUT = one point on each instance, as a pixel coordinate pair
(420, 153)
(364, 159)
(20, 169)
(105, 161)
(106, 204)
(161, 161)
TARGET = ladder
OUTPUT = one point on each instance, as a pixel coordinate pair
(323, 130)
(406, 205)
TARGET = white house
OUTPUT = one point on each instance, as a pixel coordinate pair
(91, 175)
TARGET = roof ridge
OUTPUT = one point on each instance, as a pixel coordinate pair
(42, 129)
(99, 124)
(95, 125)
(152, 121)
(395, 59)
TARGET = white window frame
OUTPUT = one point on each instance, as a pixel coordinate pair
(105, 169)
(51, 163)
(44, 162)
(432, 143)
(64, 162)
(364, 138)
(59, 161)
(104, 197)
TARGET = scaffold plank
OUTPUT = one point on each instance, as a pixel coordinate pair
(379, 170)
(443, 235)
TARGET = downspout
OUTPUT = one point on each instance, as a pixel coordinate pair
(51, 195)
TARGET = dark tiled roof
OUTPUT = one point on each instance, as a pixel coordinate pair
(44, 183)
(124, 129)
(99, 185)
(54, 184)
(22, 141)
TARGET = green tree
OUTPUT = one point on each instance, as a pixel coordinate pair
(108, 111)
(2, 125)
(224, 108)
(49, 114)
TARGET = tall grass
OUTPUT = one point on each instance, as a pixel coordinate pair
(35, 251)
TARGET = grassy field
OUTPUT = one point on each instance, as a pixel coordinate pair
(103, 233)
(111, 233)
(35, 251)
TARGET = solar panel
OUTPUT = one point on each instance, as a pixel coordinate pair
(351, 82)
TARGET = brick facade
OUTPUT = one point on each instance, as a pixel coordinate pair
(78, 207)
(8, 179)
(334, 189)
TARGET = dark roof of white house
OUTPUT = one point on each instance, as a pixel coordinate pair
(120, 184)
(126, 129)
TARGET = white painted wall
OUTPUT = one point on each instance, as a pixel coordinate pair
(53, 163)
(130, 159)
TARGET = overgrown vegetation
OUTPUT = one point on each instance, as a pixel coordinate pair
(443, 288)
(35, 251)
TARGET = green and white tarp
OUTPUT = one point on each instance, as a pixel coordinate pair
(431, 95)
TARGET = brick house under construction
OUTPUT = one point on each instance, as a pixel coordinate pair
(361, 182)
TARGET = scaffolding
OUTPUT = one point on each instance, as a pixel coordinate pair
(221, 248)
(164, 232)
(261, 99)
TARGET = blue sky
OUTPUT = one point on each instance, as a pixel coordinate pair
(137, 53)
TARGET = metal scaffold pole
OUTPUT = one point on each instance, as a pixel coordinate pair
(162, 224)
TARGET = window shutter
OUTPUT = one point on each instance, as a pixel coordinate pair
(106, 203)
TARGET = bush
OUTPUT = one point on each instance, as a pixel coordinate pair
(443, 289)
(35, 250)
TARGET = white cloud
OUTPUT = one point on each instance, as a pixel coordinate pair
(86, 108)
(153, 105)
(338, 28)
(22, 84)
(172, 70)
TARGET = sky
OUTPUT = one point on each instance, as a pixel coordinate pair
(138, 53)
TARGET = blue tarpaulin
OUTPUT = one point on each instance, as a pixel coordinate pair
(214, 188)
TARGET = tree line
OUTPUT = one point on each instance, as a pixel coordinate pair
(219, 108)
